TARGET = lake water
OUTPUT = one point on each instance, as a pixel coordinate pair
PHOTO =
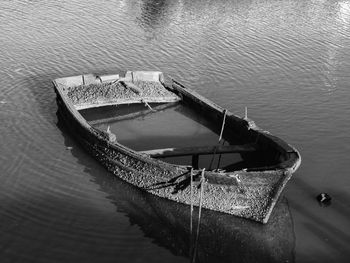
(288, 61)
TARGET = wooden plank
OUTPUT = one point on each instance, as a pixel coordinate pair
(201, 150)
(134, 114)
(117, 101)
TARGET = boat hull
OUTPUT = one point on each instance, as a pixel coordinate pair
(250, 194)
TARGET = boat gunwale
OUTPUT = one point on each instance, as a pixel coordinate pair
(289, 164)
(286, 167)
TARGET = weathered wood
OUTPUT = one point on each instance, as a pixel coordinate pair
(131, 86)
(108, 78)
(134, 114)
(201, 150)
(249, 193)
(97, 104)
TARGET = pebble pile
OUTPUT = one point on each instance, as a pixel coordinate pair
(113, 91)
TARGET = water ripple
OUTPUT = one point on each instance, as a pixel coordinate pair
(288, 61)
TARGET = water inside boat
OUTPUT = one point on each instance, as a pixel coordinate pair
(171, 125)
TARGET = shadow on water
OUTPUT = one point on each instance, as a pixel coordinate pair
(325, 227)
(223, 238)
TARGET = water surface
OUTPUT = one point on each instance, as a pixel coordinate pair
(288, 61)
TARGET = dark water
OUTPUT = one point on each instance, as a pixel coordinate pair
(175, 126)
(288, 61)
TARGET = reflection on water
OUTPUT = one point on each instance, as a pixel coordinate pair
(223, 238)
(288, 61)
(154, 13)
(344, 12)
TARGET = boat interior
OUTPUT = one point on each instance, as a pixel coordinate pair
(146, 115)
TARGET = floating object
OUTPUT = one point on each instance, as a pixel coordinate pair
(250, 192)
(324, 199)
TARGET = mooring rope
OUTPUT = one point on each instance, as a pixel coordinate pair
(220, 138)
(223, 125)
(202, 182)
(191, 185)
(191, 212)
(219, 161)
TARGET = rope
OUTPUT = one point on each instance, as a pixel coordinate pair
(217, 167)
(212, 159)
(202, 182)
(220, 138)
(223, 125)
(191, 185)
(191, 222)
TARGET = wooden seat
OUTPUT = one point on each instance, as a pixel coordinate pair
(201, 150)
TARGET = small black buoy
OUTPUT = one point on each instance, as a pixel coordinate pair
(324, 199)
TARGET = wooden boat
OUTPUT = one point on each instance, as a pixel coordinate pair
(222, 237)
(250, 192)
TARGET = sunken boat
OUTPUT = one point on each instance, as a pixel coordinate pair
(247, 186)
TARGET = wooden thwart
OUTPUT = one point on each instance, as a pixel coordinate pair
(134, 114)
(201, 150)
(112, 101)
